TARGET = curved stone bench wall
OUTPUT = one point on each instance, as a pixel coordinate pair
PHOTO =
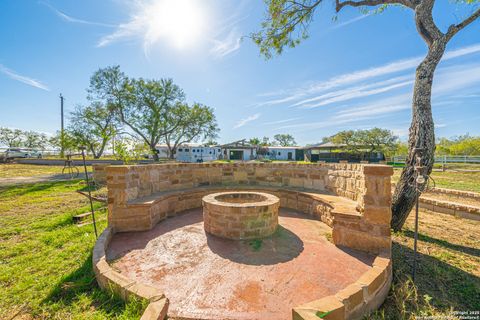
(358, 195)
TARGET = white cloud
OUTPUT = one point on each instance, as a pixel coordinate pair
(355, 92)
(246, 120)
(24, 79)
(68, 18)
(362, 75)
(226, 46)
(448, 81)
(371, 111)
(124, 31)
(281, 121)
(353, 20)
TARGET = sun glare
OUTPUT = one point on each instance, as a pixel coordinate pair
(182, 22)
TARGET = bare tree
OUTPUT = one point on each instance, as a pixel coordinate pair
(287, 24)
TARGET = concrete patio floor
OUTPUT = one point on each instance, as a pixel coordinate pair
(206, 277)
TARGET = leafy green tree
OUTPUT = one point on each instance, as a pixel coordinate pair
(348, 138)
(34, 140)
(260, 145)
(69, 142)
(254, 141)
(462, 145)
(265, 142)
(145, 106)
(378, 140)
(287, 24)
(211, 142)
(189, 124)
(11, 137)
(469, 146)
(284, 140)
(93, 126)
(372, 140)
(400, 148)
(129, 150)
(443, 146)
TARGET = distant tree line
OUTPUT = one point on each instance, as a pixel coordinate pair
(281, 140)
(123, 111)
(152, 111)
(461, 145)
(25, 139)
(371, 140)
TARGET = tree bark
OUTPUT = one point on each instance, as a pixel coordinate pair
(421, 134)
(154, 154)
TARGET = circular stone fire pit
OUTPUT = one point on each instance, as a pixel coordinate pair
(240, 215)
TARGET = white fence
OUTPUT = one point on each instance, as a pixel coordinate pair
(443, 159)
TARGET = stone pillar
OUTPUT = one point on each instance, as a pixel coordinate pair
(369, 230)
(100, 173)
(122, 184)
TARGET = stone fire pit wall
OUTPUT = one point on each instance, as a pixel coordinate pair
(240, 215)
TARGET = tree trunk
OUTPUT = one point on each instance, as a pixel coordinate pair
(421, 135)
(155, 154)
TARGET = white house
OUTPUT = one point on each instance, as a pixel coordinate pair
(239, 150)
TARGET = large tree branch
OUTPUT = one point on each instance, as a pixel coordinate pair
(426, 26)
(454, 29)
(371, 3)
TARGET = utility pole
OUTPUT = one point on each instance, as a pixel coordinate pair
(62, 145)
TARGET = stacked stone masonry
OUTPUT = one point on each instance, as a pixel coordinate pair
(100, 173)
(458, 209)
(353, 199)
(240, 215)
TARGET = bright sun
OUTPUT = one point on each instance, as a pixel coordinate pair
(182, 22)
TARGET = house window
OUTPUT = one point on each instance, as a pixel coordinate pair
(186, 150)
(279, 153)
(180, 150)
(193, 150)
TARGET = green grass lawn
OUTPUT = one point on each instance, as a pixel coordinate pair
(448, 269)
(45, 260)
(27, 170)
(468, 181)
(46, 270)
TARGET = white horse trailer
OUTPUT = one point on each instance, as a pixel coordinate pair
(197, 154)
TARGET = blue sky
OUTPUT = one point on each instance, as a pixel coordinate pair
(354, 73)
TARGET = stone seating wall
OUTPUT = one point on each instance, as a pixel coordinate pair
(358, 195)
